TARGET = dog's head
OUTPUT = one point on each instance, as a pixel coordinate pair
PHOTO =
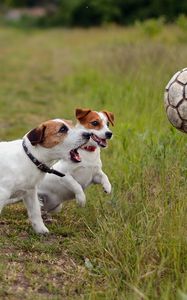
(59, 138)
(96, 123)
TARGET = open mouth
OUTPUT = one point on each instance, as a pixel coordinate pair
(74, 155)
(99, 141)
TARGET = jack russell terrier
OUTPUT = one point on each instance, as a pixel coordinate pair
(25, 162)
(85, 167)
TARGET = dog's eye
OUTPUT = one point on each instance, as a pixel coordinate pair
(63, 129)
(95, 123)
(107, 124)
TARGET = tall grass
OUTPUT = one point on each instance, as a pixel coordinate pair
(131, 244)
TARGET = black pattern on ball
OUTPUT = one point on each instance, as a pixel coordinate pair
(175, 100)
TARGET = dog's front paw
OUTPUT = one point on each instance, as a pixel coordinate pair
(107, 187)
(40, 229)
(81, 199)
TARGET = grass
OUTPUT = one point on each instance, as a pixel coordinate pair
(131, 244)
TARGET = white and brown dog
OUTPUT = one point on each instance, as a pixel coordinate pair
(24, 163)
(85, 167)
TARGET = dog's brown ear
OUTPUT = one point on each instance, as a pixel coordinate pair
(110, 116)
(36, 135)
(81, 113)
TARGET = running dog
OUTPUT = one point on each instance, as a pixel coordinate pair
(25, 162)
(85, 167)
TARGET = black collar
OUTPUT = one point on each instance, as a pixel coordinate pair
(42, 167)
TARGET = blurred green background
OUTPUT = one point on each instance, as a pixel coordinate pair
(89, 13)
(132, 244)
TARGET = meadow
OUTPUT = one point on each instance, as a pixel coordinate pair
(131, 244)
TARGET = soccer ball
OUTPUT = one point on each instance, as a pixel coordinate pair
(175, 100)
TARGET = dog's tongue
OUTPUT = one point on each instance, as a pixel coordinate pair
(75, 157)
(103, 143)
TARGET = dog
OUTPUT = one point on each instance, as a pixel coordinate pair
(86, 167)
(25, 162)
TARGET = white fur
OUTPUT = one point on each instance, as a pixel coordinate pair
(20, 177)
(53, 191)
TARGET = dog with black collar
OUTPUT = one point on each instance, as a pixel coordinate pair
(25, 162)
(85, 167)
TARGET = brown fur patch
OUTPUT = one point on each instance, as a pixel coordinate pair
(36, 135)
(51, 135)
(109, 115)
(90, 117)
(81, 113)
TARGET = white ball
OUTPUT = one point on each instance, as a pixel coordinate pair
(175, 100)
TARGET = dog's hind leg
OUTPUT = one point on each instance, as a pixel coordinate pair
(4, 197)
(48, 202)
(34, 212)
(57, 209)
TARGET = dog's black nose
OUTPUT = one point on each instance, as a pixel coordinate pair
(108, 134)
(86, 135)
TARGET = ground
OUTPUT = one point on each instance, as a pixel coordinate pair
(127, 245)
